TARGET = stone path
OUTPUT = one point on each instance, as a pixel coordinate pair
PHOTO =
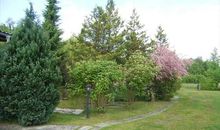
(95, 126)
(69, 111)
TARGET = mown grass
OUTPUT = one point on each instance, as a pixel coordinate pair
(195, 110)
(112, 113)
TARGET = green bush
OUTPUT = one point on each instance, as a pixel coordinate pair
(208, 83)
(104, 76)
(29, 76)
(140, 72)
(192, 78)
(164, 90)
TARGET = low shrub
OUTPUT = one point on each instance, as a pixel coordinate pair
(208, 83)
(104, 76)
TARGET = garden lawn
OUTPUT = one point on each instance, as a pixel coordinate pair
(112, 113)
(195, 110)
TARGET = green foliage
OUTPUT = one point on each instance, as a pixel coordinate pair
(103, 30)
(207, 73)
(161, 37)
(5, 28)
(164, 90)
(212, 76)
(208, 83)
(73, 51)
(214, 56)
(140, 72)
(104, 76)
(136, 38)
(213, 71)
(29, 76)
(198, 67)
(50, 24)
(192, 78)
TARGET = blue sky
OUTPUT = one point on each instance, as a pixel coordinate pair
(192, 26)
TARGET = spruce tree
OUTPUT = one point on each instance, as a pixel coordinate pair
(50, 24)
(214, 56)
(161, 37)
(103, 29)
(136, 38)
(29, 77)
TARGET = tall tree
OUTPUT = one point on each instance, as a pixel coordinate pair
(103, 29)
(214, 56)
(50, 24)
(161, 37)
(29, 76)
(136, 38)
(10, 23)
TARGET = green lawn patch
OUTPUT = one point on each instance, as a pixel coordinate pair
(112, 113)
(195, 110)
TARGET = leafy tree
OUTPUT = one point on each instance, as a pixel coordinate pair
(29, 77)
(74, 51)
(198, 67)
(103, 30)
(104, 76)
(140, 72)
(136, 38)
(161, 37)
(5, 28)
(171, 69)
(212, 76)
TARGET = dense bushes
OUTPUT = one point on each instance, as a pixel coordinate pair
(29, 77)
(207, 73)
(164, 90)
(192, 78)
(208, 83)
(104, 76)
(140, 72)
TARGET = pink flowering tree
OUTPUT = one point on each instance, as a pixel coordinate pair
(171, 69)
(171, 66)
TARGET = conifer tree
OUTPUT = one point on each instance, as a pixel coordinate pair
(136, 38)
(103, 29)
(161, 37)
(50, 24)
(214, 56)
(29, 76)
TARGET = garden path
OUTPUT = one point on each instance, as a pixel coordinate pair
(95, 126)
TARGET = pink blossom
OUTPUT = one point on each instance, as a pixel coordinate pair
(171, 66)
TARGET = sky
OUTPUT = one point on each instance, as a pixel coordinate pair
(192, 26)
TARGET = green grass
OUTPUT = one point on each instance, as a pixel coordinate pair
(72, 102)
(112, 113)
(195, 110)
